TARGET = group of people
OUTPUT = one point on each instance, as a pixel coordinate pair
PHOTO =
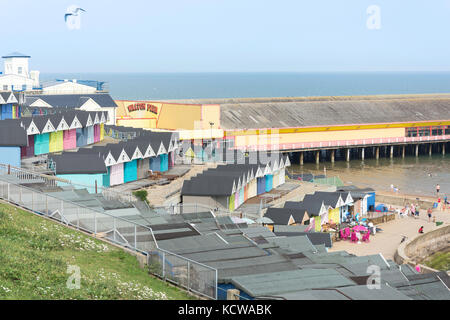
(410, 209)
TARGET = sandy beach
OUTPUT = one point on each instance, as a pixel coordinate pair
(387, 241)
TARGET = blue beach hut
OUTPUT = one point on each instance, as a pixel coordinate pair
(269, 182)
(130, 171)
(261, 185)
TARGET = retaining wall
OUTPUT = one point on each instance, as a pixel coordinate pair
(421, 247)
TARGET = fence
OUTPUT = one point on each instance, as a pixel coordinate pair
(24, 176)
(334, 181)
(186, 273)
(194, 276)
(180, 208)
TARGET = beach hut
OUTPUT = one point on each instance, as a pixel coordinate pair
(241, 196)
(269, 182)
(130, 171)
(261, 185)
(28, 151)
(90, 135)
(106, 177)
(56, 141)
(236, 200)
(86, 170)
(171, 159)
(82, 136)
(164, 163)
(231, 202)
(41, 143)
(12, 138)
(246, 193)
(252, 188)
(69, 139)
(116, 174)
(142, 168)
(102, 131)
(155, 164)
(96, 133)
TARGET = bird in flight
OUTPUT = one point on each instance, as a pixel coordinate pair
(75, 12)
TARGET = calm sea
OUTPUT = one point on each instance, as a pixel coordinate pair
(410, 175)
(143, 86)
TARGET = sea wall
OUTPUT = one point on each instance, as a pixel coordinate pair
(403, 200)
(421, 247)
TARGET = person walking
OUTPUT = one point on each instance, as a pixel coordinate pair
(438, 188)
(429, 211)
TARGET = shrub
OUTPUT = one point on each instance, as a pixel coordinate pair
(141, 195)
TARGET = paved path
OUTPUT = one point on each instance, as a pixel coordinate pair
(387, 241)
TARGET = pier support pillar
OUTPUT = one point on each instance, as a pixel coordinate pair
(430, 149)
(362, 154)
(417, 150)
(377, 153)
(301, 158)
(443, 149)
(317, 156)
(332, 156)
(403, 151)
(347, 155)
(391, 155)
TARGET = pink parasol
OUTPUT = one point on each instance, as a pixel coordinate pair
(360, 228)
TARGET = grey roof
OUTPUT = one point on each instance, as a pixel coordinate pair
(281, 216)
(295, 244)
(78, 163)
(289, 281)
(362, 292)
(104, 100)
(294, 228)
(316, 238)
(307, 112)
(12, 134)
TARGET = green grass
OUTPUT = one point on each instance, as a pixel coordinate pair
(35, 254)
(439, 261)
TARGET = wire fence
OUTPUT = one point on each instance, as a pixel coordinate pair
(179, 270)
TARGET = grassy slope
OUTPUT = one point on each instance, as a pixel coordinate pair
(439, 261)
(35, 254)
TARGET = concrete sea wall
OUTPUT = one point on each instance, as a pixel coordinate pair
(421, 247)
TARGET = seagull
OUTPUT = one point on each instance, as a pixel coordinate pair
(75, 12)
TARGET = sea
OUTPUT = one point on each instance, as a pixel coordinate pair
(411, 175)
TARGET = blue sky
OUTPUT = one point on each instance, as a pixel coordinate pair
(228, 35)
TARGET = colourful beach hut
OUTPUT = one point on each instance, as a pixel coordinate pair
(116, 174)
(28, 151)
(96, 133)
(261, 185)
(81, 137)
(102, 131)
(41, 143)
(155, 164)
(106, 177)
(130, 171)
(231, 202)
(90, 135)
(236, 200)
(56, 141)
(70, 139)
(241, 196)
(142, 168)
(164, 163)
(269, 182)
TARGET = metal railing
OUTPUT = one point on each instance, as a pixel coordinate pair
(184, 272)
(345, 143)
(195, 276)
(49, 181)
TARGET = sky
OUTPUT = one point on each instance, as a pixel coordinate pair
(230, 35)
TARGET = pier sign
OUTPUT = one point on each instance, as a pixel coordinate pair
(143, 107)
